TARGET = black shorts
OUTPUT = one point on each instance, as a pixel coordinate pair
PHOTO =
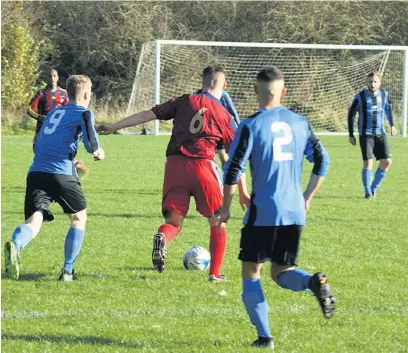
(44, 188)
(278, 244)
(375, 146)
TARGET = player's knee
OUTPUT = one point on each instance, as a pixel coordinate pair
(78, 220)
(277, 270)
(213, 221)
(174, 218)
(368, 164)
(386, 163)
(35, 222)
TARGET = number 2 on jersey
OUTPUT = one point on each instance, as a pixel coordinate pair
(54, 121)
(279, 142)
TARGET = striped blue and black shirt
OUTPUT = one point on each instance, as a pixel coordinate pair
(371, 109)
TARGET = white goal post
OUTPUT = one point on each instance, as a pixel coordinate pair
(321, 79)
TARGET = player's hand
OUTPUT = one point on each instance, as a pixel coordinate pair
(99, 154)
(352, 140)
(224, 217)
(82, 170)
(105, 129)
(308, 200)
(393, 130)
(244, 199)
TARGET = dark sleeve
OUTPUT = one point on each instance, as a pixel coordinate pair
(166, 111)
(227, 103)
(350, 116)
(315, 153)
(239, 154)
(32, 107)
(89, 134)
(388, 110)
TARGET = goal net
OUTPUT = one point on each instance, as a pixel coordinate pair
(321, 83)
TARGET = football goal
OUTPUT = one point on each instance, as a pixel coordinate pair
(321, 79)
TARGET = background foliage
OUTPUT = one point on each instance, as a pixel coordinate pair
(103, 39)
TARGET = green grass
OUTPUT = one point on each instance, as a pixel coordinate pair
(121, 305)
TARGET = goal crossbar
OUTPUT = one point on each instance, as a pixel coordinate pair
(160, 47)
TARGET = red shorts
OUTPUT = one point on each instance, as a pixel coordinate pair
(185, 177)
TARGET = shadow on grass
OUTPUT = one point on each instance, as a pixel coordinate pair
(35, 277)
(81, 340)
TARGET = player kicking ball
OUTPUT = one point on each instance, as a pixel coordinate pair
(275, 141)
(53, 177)
(200, 126)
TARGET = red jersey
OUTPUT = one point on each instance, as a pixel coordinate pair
(200, 126)
(46, 100)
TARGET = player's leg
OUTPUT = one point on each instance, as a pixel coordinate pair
(73, 244)
(367, 148)
(252, 255)
(37, 202)
(207, 192)
(68, 193)
(218, 246)
(165, 234)
(287, 275)
(175, 204)
(383, 154)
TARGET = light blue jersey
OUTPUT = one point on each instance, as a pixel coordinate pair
(275, 141)
(59, 138)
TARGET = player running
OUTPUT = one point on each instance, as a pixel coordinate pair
(200, 126)
(275, 141)
(52, 177)
(371, 104)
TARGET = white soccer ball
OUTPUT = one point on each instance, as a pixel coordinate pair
(197, 258)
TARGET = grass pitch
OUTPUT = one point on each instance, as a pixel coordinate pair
(121, 305)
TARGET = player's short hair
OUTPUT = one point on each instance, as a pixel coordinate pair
(374, 73)
(76, 84)
(52, 69)
(270, 74)
(210, 75)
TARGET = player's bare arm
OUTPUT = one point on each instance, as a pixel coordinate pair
(244, 197)
(314, 184)
(132, 120)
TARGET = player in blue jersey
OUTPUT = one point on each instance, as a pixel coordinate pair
(53, 177)
(275, 141)
(371, 104)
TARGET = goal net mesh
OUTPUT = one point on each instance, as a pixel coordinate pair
(320, 83)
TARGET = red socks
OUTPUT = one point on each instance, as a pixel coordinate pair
(218, 245)
(169, 231)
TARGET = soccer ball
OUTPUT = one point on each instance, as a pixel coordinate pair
(197, 258)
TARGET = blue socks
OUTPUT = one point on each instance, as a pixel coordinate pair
(366, 177)
(378, 178)
(296, 280)
(22, 236)
(256, 307)
(73, 244)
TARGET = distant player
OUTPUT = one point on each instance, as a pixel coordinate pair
(275, 141)
(371, 104)
(44, 101)
(52, 177)
(200, 126)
